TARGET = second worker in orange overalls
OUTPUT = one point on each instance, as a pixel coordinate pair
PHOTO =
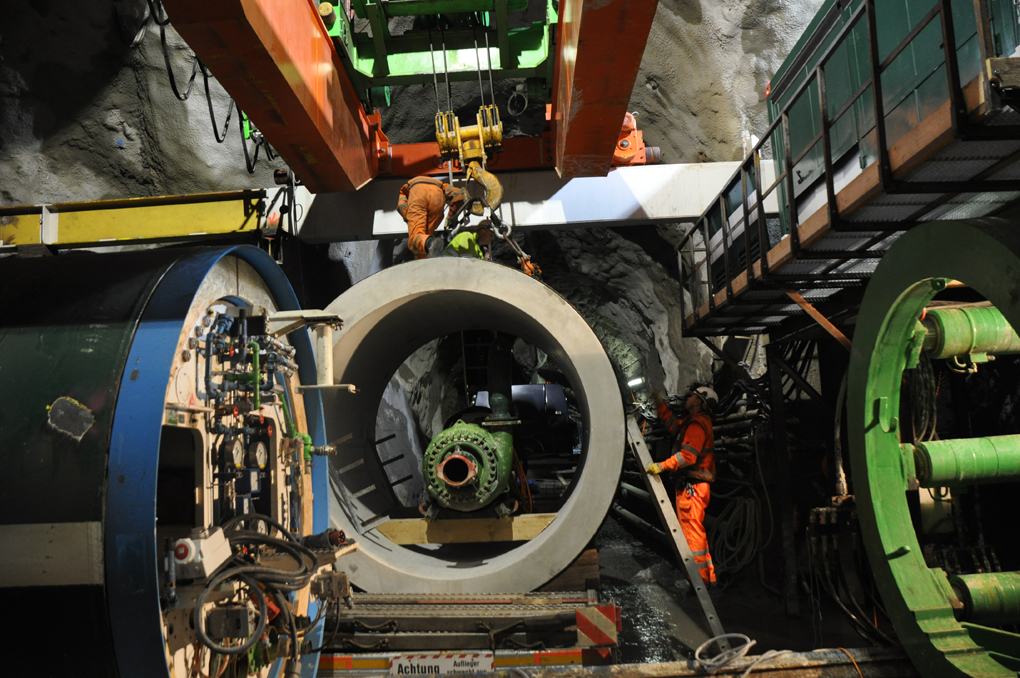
(422, 203)
(693, 457)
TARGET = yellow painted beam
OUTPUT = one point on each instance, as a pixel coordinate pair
(19, 229)
(459, 531)
(133, 219)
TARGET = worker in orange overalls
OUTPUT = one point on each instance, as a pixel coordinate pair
(692, 456)
(421, 204)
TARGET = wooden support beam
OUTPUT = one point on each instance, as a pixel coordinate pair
(461, 531)
(581, 575)
(818, 317)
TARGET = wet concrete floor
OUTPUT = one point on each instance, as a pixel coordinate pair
(663, 621)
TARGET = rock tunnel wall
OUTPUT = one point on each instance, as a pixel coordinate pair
(87, 113)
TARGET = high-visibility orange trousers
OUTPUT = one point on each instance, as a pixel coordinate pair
(690, 509)
(425, 205)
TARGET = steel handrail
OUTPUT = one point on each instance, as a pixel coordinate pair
(817, 76)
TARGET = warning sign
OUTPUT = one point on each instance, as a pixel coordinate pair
(440, 664)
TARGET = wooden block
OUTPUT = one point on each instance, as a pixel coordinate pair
(419, 531)
(580, 575)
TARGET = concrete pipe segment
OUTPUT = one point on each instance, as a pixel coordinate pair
(386, 318)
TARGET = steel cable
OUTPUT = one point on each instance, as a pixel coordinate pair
(163, 23)
(212, 115)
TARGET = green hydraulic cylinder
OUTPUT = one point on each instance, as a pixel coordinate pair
(995, 459)
(962, 331)
(990, 598)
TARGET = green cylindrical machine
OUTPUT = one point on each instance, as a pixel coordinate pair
(990, 598)
(941, 636)
(961, 331)
(466, 467)
(968, 460)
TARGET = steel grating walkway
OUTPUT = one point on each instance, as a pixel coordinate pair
(961, 161)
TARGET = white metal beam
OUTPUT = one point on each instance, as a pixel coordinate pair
(644, 194)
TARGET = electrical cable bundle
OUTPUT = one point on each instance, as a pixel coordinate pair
(736, 536)
(711, 665)
(519, 486)
(263, 583)
(826, 574)
(160, 18)
(251, 159)
(212, 116)
(924, 390)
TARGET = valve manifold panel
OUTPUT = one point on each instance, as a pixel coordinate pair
(145, 406)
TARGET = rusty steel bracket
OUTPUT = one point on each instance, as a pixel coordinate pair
(818, 317)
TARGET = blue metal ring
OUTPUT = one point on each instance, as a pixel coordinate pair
(132, 554)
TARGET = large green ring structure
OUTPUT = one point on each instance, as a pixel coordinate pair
(985, 255)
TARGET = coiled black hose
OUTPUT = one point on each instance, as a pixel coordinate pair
(274, 581)
(259, 628)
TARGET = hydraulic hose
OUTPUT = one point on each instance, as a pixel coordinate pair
(275, 580)
(259, 628)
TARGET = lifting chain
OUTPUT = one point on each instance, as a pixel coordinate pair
(460, 221)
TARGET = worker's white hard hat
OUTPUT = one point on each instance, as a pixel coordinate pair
(707, 396)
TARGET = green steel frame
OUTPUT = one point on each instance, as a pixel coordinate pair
(379, 59)
(920, 600)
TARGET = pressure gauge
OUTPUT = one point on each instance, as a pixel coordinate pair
(258, 455)
(236, 447)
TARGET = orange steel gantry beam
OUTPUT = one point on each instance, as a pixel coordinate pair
(599, 45)
(279, 64)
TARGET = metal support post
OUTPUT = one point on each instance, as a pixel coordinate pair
(830, 184)
(885, 178)
(763, 228)
(725, 229)
(785, 505)
(818, 317)
(747, 222)
(708, 265)
(790, 200)
(957, 104)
